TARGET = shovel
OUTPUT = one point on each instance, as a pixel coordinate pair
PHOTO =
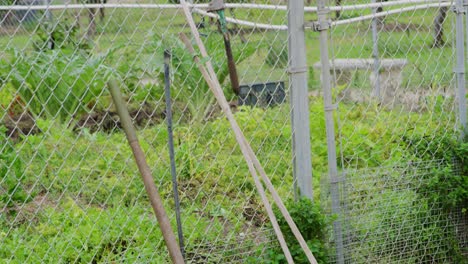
(218, 7)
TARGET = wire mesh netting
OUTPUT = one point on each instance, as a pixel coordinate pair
(394, 84)
(70, 190)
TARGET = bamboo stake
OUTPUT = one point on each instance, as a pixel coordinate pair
(151, 190)
(244, 145)
(252, 170)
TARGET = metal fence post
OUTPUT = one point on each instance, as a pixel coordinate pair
(460, 66)
(322, 26)
(375, 53)
(299, 98)
(170, 143)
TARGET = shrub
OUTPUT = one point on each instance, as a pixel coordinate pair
(446, 184)
(313, 226)
(56, 84)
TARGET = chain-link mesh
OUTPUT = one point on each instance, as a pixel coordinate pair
(69, 187)
(70, 191)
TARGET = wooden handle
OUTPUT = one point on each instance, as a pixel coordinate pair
(145, 172)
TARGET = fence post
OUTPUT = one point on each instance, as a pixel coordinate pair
(170, 143)
(375, 53)
(460, 67)
(299, 99)
(322, 26)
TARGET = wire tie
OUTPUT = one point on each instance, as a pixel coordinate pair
(295, 70)
(458, 70)
(331, 107)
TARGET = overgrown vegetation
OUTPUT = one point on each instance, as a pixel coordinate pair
(100, 185)
(59, 84)
(446, 184)
(63, 35)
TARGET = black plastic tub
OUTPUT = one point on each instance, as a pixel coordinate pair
(262, 94)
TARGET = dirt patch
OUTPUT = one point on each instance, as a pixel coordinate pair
(254, 213)
(108, 121)
(20, 124)
(28, 212)
(24, 124)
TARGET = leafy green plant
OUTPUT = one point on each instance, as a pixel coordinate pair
(312, 224)
(441, 189)
(425, 240)
(57, 84)
(60, 35)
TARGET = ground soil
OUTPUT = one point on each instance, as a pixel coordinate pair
(20, 124)
(108, 121)
(24, 124)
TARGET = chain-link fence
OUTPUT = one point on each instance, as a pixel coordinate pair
(394, 185)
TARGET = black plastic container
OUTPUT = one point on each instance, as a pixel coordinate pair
(262, 94)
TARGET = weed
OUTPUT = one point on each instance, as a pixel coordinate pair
(312, 224)
(12, 178)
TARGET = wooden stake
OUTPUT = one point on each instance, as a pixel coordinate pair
(151, 190)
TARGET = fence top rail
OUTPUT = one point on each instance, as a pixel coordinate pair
(204, 6)
(391, 12)
(199, 8)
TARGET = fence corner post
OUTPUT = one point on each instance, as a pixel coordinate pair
(322, 26)
(299, 99)
(460, 12)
